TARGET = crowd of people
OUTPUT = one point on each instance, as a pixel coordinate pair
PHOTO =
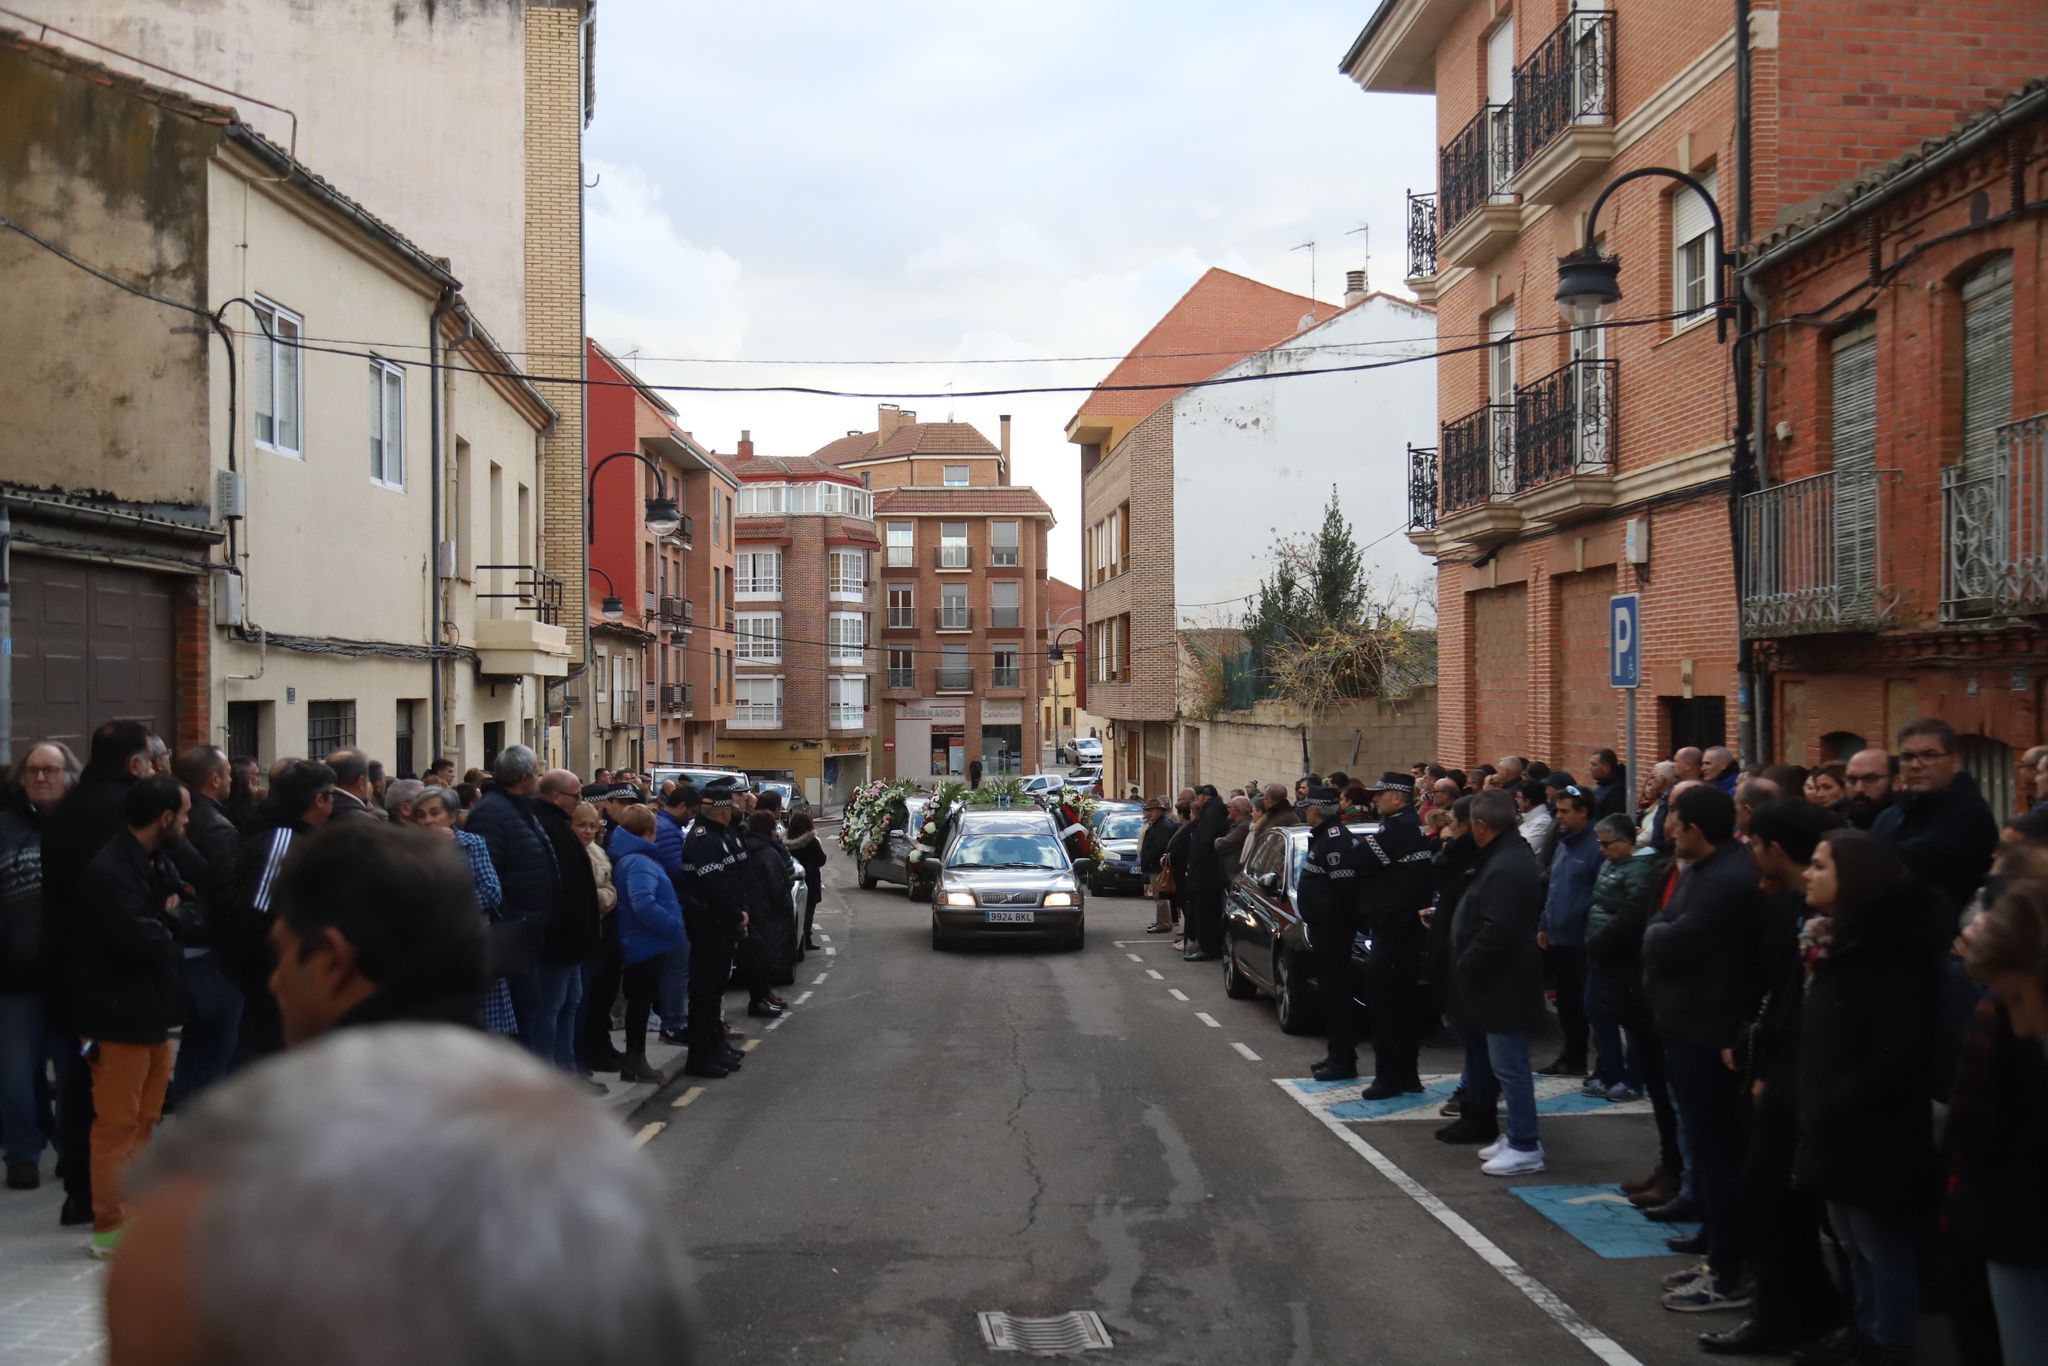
(147, 897)
(1828, 984)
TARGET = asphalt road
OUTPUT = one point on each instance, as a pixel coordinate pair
(931, 1135)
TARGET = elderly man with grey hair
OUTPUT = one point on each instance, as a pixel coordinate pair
(489, 1212)
(1230, 848)
(400, 796)
(523, 855)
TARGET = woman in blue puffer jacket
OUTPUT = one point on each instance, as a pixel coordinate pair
(650, 928)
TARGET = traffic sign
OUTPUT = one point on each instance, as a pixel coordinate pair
(1624, 641)
(888, 744)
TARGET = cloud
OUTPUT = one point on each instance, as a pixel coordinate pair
(648, 285)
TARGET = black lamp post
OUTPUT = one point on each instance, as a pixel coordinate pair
(614, 606)
(663, 517)
(1588, 282)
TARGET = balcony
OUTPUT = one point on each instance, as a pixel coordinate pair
(1004, 557)
(1812, 554)
(1564, 109)
(1564, 442)
(900, 619)
(847, 715)
(1477, 214)
(675, 698)
(900, 557)
(1994, 529)
(671, 610)
(520, 647)
(1478, 459)
(689, 612)
(953, 618)
(952, 557)
(956, 679)
(1422, 246)
(1005, 618)
(902, 680)
(755, 716)
(1000, 677)
(652, 695)
(1422, 496)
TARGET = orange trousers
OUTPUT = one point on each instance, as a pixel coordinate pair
(128, 1085)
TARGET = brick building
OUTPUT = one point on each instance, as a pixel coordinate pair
(657, 687)
(1573, 465)
(1896, 561)
(962, 595)
(1063, 707)
(803, 601)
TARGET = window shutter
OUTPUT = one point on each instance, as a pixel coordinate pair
(1854, 435)
(1689, 215)
(1987, 364)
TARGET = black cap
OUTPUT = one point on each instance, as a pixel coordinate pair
(1559, 780)
(595, 792)
(719, 792)
(1207, 790)
(1395, 782)
(1327, 797)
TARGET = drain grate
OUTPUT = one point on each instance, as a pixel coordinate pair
(1078, 1331)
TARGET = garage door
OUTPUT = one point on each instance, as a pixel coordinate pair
(92, 643)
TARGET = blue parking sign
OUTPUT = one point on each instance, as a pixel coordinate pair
(1624, 641)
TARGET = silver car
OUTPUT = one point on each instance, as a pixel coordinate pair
(1005, 874)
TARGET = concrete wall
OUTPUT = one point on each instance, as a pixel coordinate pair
(1257, 460)
(1264, 742)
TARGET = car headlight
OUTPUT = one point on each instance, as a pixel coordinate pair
(959, 898)
(1059, 899)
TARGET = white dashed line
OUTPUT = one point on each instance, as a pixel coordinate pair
(684, 1100)
(820, 978)
(1176, 993)
(776, 1023)
(1155, 974)
(1246, 1053)
(805, 997)
(1207, 1019)
(830, 951)
(824, 939)
(750, 1045)
(647, 1132)
(1134, 958)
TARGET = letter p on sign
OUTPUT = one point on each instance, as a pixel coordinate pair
(1624, 641)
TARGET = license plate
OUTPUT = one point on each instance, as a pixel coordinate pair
(1012, 917)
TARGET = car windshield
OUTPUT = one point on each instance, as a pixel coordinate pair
(1120, 825)
(1007, 846)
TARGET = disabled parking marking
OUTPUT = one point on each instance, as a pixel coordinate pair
(1602, 1218)
(1556, 1097)
(1176, 993)
(1246, 1053)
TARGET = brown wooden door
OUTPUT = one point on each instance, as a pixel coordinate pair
(92, 643)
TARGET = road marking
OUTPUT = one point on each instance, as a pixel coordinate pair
(805, 997)
(830, 951)
(1246, 1053)
(1134, 958)
(1155, 974)
(776, 1023)
(750, 1045)
(1176, 993)
(824, 939)
(647, 1132)
(815, 981)
(1539, 1294)
(1207, 1019)
(686, 1097)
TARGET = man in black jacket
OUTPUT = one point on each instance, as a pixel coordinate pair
(301, 800)
(1941, 826)
(206, 860)
(714, 913)
(573, 935)
(1497, 989)
(1328, 896)
(1699, 957)
(1610, 785)
(526, 864)
(1205, 877)
(1159, 828)
(126, 994)
(1397, 880)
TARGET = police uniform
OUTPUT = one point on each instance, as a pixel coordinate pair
(1329, 900)
(716, 876)
(1397, 878)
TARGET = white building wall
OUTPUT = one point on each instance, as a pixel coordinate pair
(1254, 462)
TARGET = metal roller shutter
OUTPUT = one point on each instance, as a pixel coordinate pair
(1987, 364)
(1854, 434)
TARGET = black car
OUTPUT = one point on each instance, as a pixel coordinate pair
(1119, 826)
(1265, 945)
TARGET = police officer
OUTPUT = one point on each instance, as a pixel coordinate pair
(1330, 910)
(1397, 877)
(715, 912)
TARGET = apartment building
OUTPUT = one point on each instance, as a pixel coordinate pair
(962, 585)
(802, 664)
(1063, 709)
(276, 549)
(1183, 488)
(1895, 561)
(1573, 463)
(658, 687)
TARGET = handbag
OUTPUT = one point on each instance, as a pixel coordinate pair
(1165, 884)
(509, 947)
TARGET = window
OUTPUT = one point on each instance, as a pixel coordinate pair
(1005, 670)
(849, 702)
(902, 667)
(902, 606)
(955, 674)
(758, 573)
(760, 500)
(849, 570)
(952, 545)
(387, 425)
(1118, 538)
(756, 703)
(274, 377)
(846, 634)
(1002, 543)
(953, 476)
(1111, 644)
(1693, 276)
(1002, 604)
(953, 613)
(330, 726)
(902, 544)
(1987, 364)
(757, 637)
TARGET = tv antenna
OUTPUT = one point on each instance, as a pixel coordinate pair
(1365, 229)
(1309, 247)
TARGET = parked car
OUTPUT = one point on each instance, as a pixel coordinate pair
(1119, 825)
(1006, 874)
(1265, 944)
(1081, 749)
(891, 862)
(1087, 777)
(1042, 784)
(793, 799)
(697, 775)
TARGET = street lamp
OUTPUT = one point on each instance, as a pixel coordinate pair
(614, 607)
(1588, 282)
(663, 517)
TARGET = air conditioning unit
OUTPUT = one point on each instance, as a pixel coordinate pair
(227, 599)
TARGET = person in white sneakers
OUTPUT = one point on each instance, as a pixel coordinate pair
(1497, 982)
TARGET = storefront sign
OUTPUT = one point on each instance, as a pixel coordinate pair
(944, 713)
(1002, 713)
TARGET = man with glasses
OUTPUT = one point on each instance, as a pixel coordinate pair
(1940, 825)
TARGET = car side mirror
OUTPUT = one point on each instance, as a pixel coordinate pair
(1084, 867)
(1270, 881)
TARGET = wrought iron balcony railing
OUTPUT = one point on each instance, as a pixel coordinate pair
(1421, 236)
(902, 678)
(1567, 80)
(1478, 456)
(1813, 554)
(1422, 490)
(1475, 165)
(1564, 423)
(1001, 677)
(1994, 529)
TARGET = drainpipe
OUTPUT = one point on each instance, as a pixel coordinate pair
(448, 303)
(1750, 730)
(6, 635)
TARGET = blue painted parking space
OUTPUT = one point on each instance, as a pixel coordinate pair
(1602, 1218)
(1555, 1097)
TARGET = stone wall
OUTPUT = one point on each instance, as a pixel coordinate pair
(1264, 742)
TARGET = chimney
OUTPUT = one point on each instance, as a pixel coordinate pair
(909, 419)
(888, 417)
(1354, 287)
(1003, 445)
(746, 450)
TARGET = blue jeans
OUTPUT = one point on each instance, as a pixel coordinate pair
(1884, 1272)
(1497, 1065)
(674, 996)
(2019, 1294)
(22, 1044)
(208, 1044)
(545, 1000)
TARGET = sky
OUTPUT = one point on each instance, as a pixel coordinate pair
(924, 180)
